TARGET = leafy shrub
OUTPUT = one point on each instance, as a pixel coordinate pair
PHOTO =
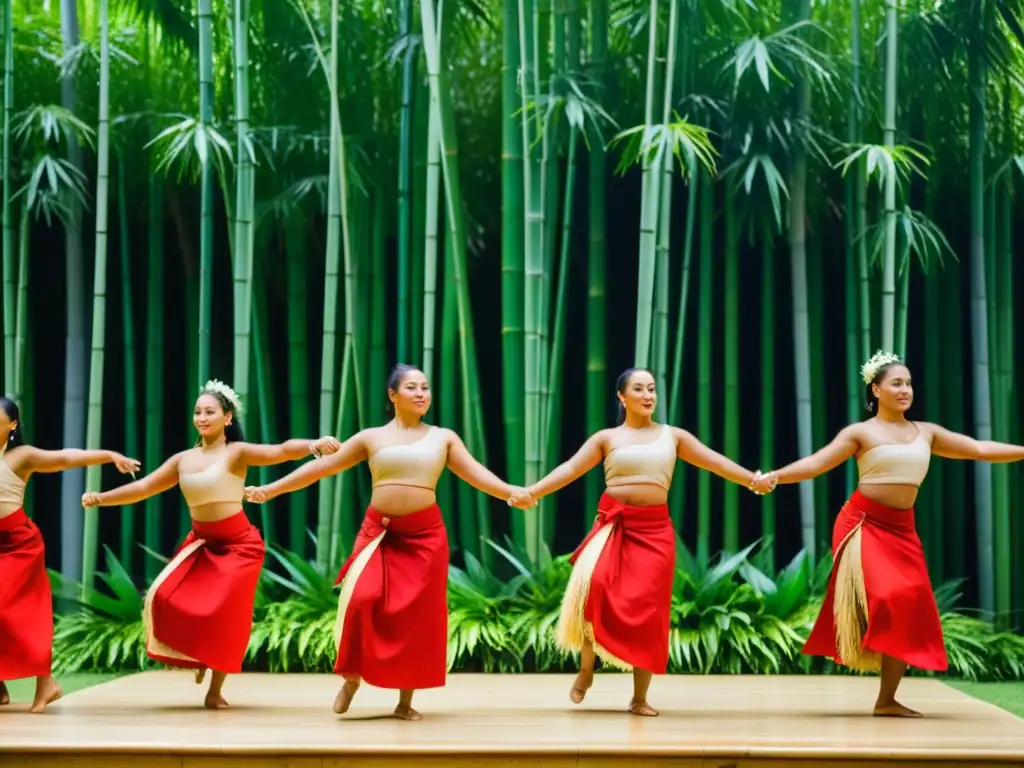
(728, 616)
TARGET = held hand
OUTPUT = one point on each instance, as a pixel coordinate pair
(125, 465)
(90, 499)
(256, 494)
(764, 483)
(522, 498)
(326, 445)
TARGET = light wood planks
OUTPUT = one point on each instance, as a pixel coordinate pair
(155, 720)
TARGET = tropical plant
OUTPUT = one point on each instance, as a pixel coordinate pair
(729, 616)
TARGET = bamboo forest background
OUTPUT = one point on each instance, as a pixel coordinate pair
(524, 198)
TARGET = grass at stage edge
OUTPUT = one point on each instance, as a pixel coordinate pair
(23, 690)
(1008, 696)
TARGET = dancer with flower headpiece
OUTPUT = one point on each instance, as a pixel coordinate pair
(26, 602)
(198, 612)
(879, 612)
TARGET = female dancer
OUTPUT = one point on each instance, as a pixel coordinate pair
(26, 605)
(392, 628)
(198, 611)
(879, 612)
(617, 603)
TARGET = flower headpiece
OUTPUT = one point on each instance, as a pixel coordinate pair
(870, 369)
(218, 387)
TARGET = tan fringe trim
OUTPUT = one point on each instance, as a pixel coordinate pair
(573, 630)
(850, 606)
(153, 645)
(348, 586)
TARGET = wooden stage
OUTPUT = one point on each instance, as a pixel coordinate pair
(156, 720)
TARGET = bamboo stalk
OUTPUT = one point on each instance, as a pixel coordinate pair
(297, 278)
(405, 141)
(704, 329)
(206, 96)
(981, 398)
(731, 355)
(512, 285)
(801, 330)
(650, 199)
(21, 321)
(768, 388)
(9, 254)
(596, 395)
(242, 277)
(131, 406)
(94, 421)
(328, 354)
(889, 139)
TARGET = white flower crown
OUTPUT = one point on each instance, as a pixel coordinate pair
(216, 386)
(870, 369)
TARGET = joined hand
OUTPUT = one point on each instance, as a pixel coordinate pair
(522, 498)
(764, 483)
(327, 445)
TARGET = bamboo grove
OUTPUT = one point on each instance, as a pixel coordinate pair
(523, 197)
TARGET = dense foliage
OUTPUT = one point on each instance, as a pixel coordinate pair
(729, 616)
(524, 197)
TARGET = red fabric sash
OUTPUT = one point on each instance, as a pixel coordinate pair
(395, 633)
(204, 609)
(903, 619)
(630, 596)
(26, 603)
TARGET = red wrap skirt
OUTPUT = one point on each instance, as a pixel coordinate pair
(392, 628)
(619, 595)
(879, 599)
(198, 612)
(26, 603)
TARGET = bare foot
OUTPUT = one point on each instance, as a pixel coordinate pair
(5, 697)
(48, 690)
(344, 698)
(407, 713)
(215, 701)
(200, 675)
(894, 709)
(642, 708)
(581, 685)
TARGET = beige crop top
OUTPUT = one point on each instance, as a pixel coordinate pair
(12, 487)
(418, 464)
(213, 485)
(896, 463)
(643, 463)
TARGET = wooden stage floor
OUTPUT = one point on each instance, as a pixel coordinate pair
(156, 719)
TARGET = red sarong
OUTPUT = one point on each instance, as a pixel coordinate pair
(393, 608)
(202, 602)
(630, 595)
(26, 603)
(902, 617)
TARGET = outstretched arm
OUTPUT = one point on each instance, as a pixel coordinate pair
(832, 455)
(351, 452)
(158, 481)
(259, 455)
(693, 451)
(953, 445)
(468, 469)
(587, 457)
(31, 459)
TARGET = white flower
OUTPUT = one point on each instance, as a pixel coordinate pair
(216, 386)
(870, 369)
